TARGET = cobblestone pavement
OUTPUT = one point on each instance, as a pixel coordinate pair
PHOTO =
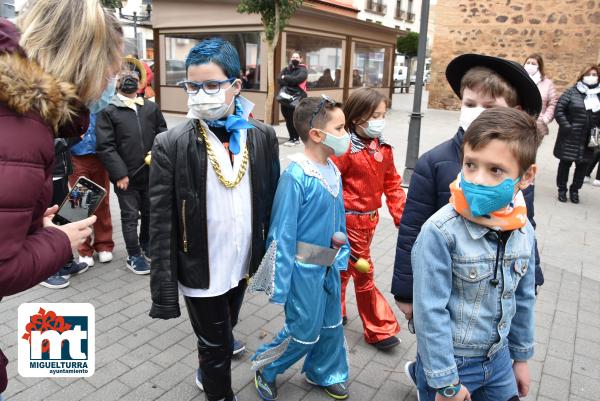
(138, 358)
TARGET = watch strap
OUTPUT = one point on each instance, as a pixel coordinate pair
(449, 391)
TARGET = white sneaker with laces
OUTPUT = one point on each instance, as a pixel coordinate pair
(105, 256)
(596, 183)
(88, 260)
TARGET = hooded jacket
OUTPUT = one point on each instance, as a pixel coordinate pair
(34, 106)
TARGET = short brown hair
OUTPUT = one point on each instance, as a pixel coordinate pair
(490, 83)
(587, 69)
(509, 125)
(305, 112)
(361, 105)
(538, 57)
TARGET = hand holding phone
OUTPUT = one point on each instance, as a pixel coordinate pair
(77, 231)
(81, 202)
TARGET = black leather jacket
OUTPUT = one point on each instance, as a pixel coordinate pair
(178, 201)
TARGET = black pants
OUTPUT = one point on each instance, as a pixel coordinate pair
(288, 114)
(213, 319)
(595, 160)
(135, 201)
(562, 176)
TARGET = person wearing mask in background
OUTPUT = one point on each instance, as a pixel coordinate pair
(212, 184)
(577, 113)
(368, 172)
(293, 78)
(60, 190)
(481, 82)
(47, 86)
(534, 65)
(125, 132)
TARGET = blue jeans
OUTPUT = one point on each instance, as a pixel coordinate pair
(487, 379)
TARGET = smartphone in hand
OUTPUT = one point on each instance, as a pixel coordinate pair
(81, 202)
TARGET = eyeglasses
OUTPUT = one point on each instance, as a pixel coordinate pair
(210, 87)
(324, 100)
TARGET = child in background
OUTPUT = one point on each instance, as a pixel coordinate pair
(368, 172)
(300, 270)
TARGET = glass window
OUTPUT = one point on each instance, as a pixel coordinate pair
(369, 66)
(247, 44)
(322, 57)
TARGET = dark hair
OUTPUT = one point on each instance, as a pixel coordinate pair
(490, 83)
(538, 57)
(361, 105)
(509, 125)
(218, 51)
(587, 69)
(304, 114)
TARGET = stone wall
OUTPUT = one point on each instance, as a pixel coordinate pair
(565, 32)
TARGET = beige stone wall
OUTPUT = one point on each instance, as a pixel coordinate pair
(565, 32)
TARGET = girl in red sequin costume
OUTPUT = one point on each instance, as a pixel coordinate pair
(368, 171)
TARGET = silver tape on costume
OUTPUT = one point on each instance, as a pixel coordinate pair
(315, 254)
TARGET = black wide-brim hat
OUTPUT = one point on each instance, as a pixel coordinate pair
(514, 73)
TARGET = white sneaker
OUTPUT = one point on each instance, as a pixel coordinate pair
(88, 260)
(586, 179)
(596, 183)
(105, 256)
(289, 143)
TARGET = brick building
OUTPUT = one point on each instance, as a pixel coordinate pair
(565, 32)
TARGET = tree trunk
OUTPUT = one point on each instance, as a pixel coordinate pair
(409, 73)
(270, 83)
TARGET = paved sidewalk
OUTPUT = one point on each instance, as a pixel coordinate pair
(138, 358)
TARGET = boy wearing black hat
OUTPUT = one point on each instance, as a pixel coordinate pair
(481, 82)
(125, 132)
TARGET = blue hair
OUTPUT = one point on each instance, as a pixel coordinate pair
(218, 51)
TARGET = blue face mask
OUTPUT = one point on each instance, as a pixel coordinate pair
(483, 199)
(109, 92)
(339, 144)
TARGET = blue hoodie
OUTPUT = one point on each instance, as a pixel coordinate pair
(87, 146)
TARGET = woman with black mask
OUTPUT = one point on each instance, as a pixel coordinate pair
(577, 113)
(293, 78)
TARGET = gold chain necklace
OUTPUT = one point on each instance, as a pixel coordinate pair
(215, 164)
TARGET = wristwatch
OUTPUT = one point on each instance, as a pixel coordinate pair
(449, 391)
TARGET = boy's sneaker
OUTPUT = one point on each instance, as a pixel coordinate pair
(55, 281)
(199, 379)
(138, 264)
(587, 179)
(337, 391)
(409, 371)
(238, 347)
(72, 268)
(290, 143)
(88, 260)
(266, 391)
(387, 343)
(596, 183)
(105, 256)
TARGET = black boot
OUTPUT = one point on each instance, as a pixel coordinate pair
(574, 195)
(562, 195)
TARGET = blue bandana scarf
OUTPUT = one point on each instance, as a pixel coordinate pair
(233, 124)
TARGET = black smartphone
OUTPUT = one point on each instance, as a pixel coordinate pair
(81, 202)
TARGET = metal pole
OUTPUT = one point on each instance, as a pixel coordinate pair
(414, 128)
(137, 51)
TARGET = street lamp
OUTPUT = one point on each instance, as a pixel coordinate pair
(135, 18)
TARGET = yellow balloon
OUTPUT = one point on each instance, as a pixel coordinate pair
(362, 265)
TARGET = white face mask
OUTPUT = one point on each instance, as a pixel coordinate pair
(590, 80)
(531, 69)
(468, 115)
(209, 107)
(374, 128)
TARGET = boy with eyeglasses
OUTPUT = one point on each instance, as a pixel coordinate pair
(212, 183)
(307, 250)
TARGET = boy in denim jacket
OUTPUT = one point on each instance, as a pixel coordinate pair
(474, 262)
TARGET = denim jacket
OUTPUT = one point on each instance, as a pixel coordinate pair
(457, 310)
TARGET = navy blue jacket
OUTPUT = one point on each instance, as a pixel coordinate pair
(429, 191)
